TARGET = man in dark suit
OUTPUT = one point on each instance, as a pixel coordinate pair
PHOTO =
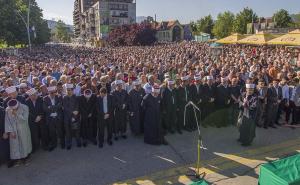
(52, 106)
(197, 96)
(262, 91)
(169, 112)
(209, 95)
(121, 100)
(4, 142)
(274, 96)
(105, 113)
(36, 114)
(71, 116)
(87, 107)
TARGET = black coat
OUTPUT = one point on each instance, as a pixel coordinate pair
(70, 104)
(222, 96)
(272, 96)
(135, 110)
(153, 133)
(87, 106)
(49, 108)
(35, 110)
(209, 92)
(110, 108)
(4, 144)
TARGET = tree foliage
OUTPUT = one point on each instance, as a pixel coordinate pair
(205, 25)
(223, 25)
(282, 18)
(242, 19)
(61, 32)
(132, 35)
(13, 30)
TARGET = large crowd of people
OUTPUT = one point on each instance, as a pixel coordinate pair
(61, 96)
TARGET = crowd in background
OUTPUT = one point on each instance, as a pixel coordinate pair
(56, 93)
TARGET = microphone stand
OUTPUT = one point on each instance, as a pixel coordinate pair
(196, 173)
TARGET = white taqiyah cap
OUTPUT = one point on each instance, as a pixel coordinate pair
(136, 82)
(156, 88)
(31, 92)
(250, 86)
(171, 82)
(185, 78)
(118, 82)
(23, 85)
(11, 89)
(197, 77)
(69, 86)
(51, 89)
(209, 77)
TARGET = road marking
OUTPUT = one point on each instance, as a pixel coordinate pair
(223, 162)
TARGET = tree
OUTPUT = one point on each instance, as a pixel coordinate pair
(132, 35)
(224, 24)
(296, 20)
(282, 18)
(205, 25)
(61, 32)
(242, 19)
(13, 30)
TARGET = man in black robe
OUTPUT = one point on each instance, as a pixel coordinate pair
(222, 103)
(182, 98)
(87, 108)
(209, 96)
(197, 92)
(153, 133)
(135, 98)
(36, 114)
(52, 106)
(71, 117)
(4, 142)
(235, 93)
(121, 99)
(169, 105)
(105, 115)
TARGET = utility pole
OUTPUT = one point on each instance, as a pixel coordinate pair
(28, 26)
(26, 23)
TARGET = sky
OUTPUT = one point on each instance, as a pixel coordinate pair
(182, 10)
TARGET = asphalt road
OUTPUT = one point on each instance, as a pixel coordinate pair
(131, 159)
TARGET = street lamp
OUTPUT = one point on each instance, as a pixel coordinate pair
(26, 24)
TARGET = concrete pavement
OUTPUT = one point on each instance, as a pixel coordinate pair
(224, 161)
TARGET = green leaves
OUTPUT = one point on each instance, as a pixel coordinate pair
(224, 24)
(61, 32)
(242, 19)
(204, 25)
(13, 29)
(282, 18)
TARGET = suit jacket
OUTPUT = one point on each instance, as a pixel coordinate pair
(273, 96)
(87, 106)
(70, 104)
(209, 92)
(35, 110)
(49, 108)
(197, 93)
(110, 107)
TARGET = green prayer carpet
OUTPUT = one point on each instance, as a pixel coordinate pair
(281, 172)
